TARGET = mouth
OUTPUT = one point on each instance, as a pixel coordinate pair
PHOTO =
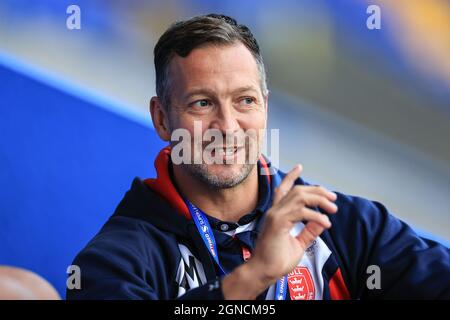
(226, 151)
(229, 151)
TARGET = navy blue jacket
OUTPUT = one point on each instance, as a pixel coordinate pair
(150, 249)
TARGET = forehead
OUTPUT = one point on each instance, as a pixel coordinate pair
(215, 67)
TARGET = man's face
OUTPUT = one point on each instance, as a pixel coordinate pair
(219, 88)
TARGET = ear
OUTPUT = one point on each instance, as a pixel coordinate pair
(160, 118)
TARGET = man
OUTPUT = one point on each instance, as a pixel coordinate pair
(214, 230)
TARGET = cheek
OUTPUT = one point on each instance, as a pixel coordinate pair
(191, 130)
(254, 128)
(183, 123)
(255, 121)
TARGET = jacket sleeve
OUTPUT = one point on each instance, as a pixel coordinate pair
(118, 264)
(410, 267)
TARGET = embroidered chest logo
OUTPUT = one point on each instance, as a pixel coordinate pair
(301, 284)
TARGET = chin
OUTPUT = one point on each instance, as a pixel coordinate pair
(222, 176)
(225, 169)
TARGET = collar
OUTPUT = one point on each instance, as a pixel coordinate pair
(263, 204)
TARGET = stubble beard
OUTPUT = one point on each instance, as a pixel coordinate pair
(219, 181)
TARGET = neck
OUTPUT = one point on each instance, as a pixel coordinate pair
(228, 204)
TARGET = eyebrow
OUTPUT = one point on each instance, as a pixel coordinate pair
(204, 91)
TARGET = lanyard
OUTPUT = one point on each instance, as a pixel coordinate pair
(204, 228)
(205, 231)
(280, 289)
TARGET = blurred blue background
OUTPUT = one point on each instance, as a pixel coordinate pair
(366, 112)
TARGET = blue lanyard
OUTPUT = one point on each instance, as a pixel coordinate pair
(280, 289)
(204, 228)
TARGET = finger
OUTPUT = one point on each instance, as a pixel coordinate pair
(309, 233)
(321, 191)
(287, 183)
(309, 215)
(315, 200)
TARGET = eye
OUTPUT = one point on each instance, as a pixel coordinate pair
(200, 103)
(247, 101)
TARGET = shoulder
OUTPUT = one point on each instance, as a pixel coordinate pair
(360, 209)
(356, 209)
(124, 240)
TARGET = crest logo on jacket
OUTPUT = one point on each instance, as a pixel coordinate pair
(301, 284)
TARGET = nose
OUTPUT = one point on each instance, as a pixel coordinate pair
(225, 119)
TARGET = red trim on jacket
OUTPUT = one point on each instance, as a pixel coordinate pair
(163, 185)
(263, 163)
(338, 289)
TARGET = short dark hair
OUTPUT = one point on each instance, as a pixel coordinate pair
(184, 36)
